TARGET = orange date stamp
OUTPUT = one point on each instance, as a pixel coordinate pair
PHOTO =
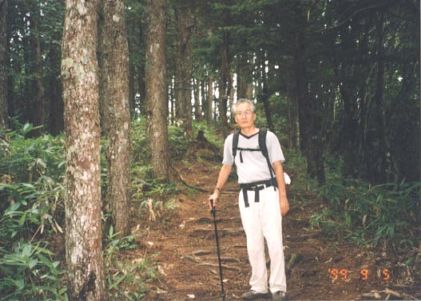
(365, 274)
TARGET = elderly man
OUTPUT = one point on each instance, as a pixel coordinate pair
(262, 199)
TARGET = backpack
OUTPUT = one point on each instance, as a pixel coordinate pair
(262, 148)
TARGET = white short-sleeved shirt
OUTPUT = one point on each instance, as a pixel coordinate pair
(254, 166)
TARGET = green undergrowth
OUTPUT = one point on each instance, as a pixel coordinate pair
(127, 277)
(382, 215)
(364, 214)
(31, 210)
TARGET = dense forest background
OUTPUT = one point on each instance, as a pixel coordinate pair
(337, 81)
(342, 77)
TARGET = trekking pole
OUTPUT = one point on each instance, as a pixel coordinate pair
(213, 211)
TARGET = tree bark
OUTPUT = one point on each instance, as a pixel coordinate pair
(310, 140)
(54, 94)
(142, 88)
(209, 100)
(197, 107)
(224, 86)
(383, 145)
(132, 91)
(116, 99)
(183, 69)
(244, 77)
(79, 71)
(4, 116)
(265, 94)
(156, 88)
(203, 98)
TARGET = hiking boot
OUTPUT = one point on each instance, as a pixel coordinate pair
(278, 296)
(253, 295)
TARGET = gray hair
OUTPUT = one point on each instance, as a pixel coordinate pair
(241, 101)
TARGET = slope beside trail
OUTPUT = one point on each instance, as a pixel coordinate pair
(185, 249)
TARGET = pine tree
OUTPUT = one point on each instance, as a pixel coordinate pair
(82, 140)
(3, 65)
(156, 88)
(116, 101)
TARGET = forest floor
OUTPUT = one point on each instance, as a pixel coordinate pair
(185, 249)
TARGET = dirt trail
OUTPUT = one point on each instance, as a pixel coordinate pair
(188, 264)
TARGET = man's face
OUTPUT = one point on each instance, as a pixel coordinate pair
(244, 116)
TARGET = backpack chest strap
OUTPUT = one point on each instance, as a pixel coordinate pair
(241, 149)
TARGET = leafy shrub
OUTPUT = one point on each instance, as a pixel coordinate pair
(31, 194)
(126, 280)
(28, 158)
(373, 214)
(28, 272)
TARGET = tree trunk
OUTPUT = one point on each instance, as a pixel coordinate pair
(203, 98)
(241, 76)
(197, 107)
(265, 94)
(224, 84)
(104, 110)
(209, 100)
(39, 105)
(54, 92)
(82, 135)
(244, 78)
(156, 88)
(183, 69)
(231, 93)
(292, 111)
(142, 88)
(116, 98)
(132, 91)
(172, 101)
(383, 146)
(310, 141)
(3, 66)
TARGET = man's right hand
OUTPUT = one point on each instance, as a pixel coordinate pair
(212, 199)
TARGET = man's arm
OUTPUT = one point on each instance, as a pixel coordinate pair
(283, 199)
(222, 179)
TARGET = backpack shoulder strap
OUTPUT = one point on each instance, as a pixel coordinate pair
(262, 142)
(235, 142)
(264, 149)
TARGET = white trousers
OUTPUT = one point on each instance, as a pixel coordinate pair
(261, 221)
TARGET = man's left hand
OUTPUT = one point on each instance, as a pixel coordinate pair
(284, 204)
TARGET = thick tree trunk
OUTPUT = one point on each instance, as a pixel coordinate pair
(3, 65)
(156, 88)
(81, 116)
(310, 142)
(116, 99)
(183, 69)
